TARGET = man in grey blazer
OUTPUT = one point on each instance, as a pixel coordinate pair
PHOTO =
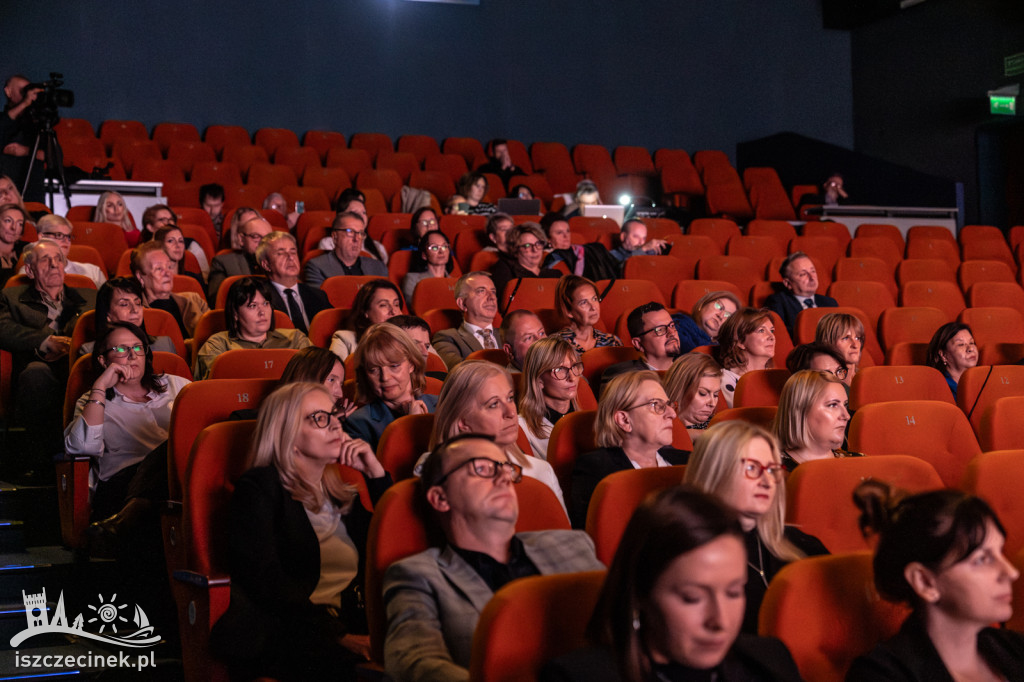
(240, 261)
(349, 233)
(477, 298)
(434, 598)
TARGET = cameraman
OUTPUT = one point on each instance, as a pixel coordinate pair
(17, 130)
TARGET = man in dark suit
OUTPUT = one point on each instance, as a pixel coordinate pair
(477, 298)
(349, 232)
(654, 334)
(434, 598)
(278, 255)
(240, 261)
(36, 323)
(801, 281)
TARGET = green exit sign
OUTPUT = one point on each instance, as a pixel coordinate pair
(1006, 106)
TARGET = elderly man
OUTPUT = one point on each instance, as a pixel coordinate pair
(654, 334)
(434, 598)
(348, 231)
(155, 271)
(279, 257)
(477, 298)
(276, 201)
(36, 322)
(239, 261)
(519, 329)
(58, 229)
(633, 241)
(800, 279)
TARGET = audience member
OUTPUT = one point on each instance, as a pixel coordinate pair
(434, 598)
(498, 228)
(376, 301)
(550, 380)
(456, 205)
(59, 229)
(671, 607)
(527, 243)
(239, 217)
(277, 202)
(694, 383)
(832, 193)
(953, 351)
(521, 192)
(433, 258)
(120, 300)
(242, 258)
(319, 366)
(576, 300)
(633, 241)
(476, 297)
(816, 355)
(499, 162)
(520, 329)
(423, 220)
(473, 186)
(479, 397)
(348, 231)
(111, 209)
(390, 382)
(419, 331)
(738, 462)
(159, 215)
(800, 279)
(653, 334)
(155, 270)
(278, 256)
(941, 552)
(633, 431)
(172, 239)
(700, 327)
(250, 322)
(586, 260)
(812, 418)
(12, 229)
(297, 544)
(845, 333)
(746, 342)
(356, 203)
(211, 199)
(9, 194)
(586, 194)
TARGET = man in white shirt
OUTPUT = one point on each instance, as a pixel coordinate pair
(477, 298)
(58, 229)
(278, 255)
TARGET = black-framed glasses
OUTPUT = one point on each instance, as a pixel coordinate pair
(485, 467)
(657, 405)
(322, 418)
(660, 330)
(532, 246)
(56, 236)
(350, 233)
(122, 351)
(754, 470)
(562, 373)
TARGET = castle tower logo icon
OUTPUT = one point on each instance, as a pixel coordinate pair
(111, 618)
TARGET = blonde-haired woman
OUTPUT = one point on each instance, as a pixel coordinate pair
(634, 431)
(296, 542)
(812, 418)
(111, 209)
(740, 463)
(577, 301)
(551, 376)
(845, 332)
(479, 396)
(746, 342)
(694, 383)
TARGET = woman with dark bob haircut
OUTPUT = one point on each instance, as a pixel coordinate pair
(672, 604)
(942, 553)
(953, 351)
(250, 322)
(120, 300)
(376, 301)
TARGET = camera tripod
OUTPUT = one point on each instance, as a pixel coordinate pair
(53, 164)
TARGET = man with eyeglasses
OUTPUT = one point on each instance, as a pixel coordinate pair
(654, 334)
(349, 232)
(800, 279)
(434, 598)
(154, 269)
(278, 256)
(59, 229)
(239, 261)
(477, 298)
(36, 323)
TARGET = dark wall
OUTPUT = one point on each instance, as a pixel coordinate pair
(701, 74)
(920, 80)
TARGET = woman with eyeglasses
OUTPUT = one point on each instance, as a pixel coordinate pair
(551, 375)
(527, 242)
(433, 258)
(390, 382)
(817, 355)
(296, 545)
(633, 431)
(122, 423)
(110, 208)
(694, 383)
(941, 552)
(376, 301)
(576, 300)
(953, 351)
(846, 333)
(424, 220)
(701, 326)
(739, 462)
(746, 342)
(250, 321)
(12, 226)
(812, 418)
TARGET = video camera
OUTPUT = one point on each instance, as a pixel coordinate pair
(43, 111)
